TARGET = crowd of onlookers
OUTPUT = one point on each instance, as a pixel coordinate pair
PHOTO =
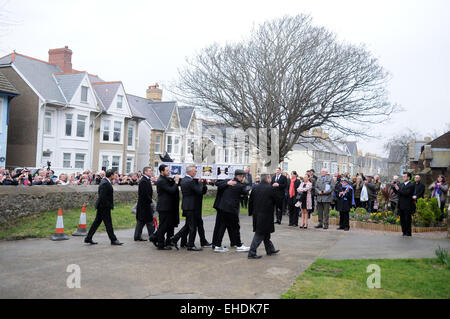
(29, 177)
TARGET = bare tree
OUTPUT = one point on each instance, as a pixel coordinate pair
(289, 75)
(399, 144)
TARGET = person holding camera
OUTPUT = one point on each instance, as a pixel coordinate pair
(305, 200)
(405, 202)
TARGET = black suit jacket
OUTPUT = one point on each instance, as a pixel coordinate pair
(105, 198)
(193, 193)
(282, 181)
(419, 190)
(144, 210)
(168, 194)
(219, 184)
(260, 206)
(405, 194)
(230, 199)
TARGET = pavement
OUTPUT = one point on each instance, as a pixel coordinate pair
(37, 268)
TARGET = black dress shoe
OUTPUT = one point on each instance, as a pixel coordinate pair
(318, 226)
(254, 256)
(346, 229)
(154, 241)
(116, 243)
(206, 244)
(194, 248)
(173, 243)
(278, 222)
(273, 252)
(165, 248)
(90, 241)
(339, 228)
(139, 239)
(325, 227)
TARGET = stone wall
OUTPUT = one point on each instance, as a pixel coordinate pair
(18, 201)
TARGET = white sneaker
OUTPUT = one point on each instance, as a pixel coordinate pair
(242, 248)
(220, 249)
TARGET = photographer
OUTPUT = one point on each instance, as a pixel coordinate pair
(7, 180)
(393, 196)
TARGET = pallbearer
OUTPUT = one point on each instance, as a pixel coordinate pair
(261, 204)
(144, 212)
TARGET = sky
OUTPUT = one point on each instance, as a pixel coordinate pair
(145, 42)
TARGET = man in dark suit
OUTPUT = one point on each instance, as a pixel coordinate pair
(262, 201)
(193, 191)
(279, 182)
(167, 206)
(104, 204)
(405, 202)
(419, 190)
(230, 194)
(248, 181)
(144, 212)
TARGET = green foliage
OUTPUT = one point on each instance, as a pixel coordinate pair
(334, 213)
(425, 214)
(434, 205)
(442, 256)
(360, 211)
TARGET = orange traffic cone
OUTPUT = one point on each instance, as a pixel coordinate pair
(59, 232)
(81, 231)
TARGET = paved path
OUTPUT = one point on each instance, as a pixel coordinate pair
(36, 268)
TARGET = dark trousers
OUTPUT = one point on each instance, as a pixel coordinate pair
(230, 222)
(189, 229)
(293, 212)
(140, 225)
(200, 230)
(166, 220)
(393, 206)
(357, 202)
(344, 220)
(244, 201)
(257, 239)
(405, 221)
(370, 205)
(103, 215)
(279, 208)
(285, 204)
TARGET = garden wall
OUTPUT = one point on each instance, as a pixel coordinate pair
(18, 201)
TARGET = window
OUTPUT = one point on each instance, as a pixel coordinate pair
(106, 130)
(48, 123)
(189, 146)
(117, 131)
(131, 127)
(69, 124)
(105, 162)
(169, 144)
(115, 163)
(129, 167)
(66, 160)
(158, 144)
(247, 156)
(81, 125)
(79, 160)
(119, 101)
(84, 94)
(176, 146)
(227, 155)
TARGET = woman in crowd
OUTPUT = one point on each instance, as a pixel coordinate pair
(439, 190)
(305, 201)
(292, 194)
(357, 187)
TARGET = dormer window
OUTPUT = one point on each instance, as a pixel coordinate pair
(84, 94)
(119, 101)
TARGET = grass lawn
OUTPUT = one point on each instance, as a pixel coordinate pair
(43, 224)
(400, 278)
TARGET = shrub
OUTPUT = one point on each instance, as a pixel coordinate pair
(433, 203)
(425, 213)
(360, 211)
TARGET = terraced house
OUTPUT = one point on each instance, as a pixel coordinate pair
(60, 113)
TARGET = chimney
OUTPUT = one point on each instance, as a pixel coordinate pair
(154, 93)
(61, 57)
